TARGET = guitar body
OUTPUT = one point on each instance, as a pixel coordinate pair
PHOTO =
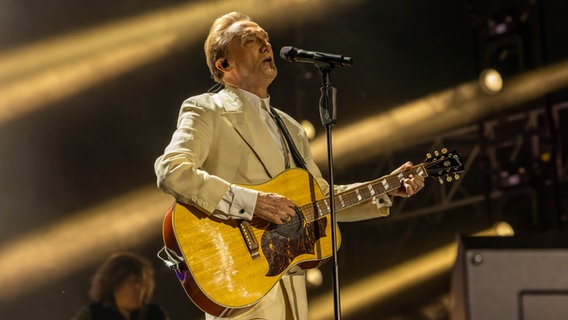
(221, 275)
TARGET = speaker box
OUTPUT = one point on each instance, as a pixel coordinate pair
(510, 278)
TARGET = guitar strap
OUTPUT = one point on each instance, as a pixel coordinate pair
(300, 162)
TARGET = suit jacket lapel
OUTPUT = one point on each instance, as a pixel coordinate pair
(248, 124)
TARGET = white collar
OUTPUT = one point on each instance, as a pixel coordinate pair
(255, 100)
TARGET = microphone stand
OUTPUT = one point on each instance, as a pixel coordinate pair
(327, 114)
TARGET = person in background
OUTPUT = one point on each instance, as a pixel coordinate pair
(121, 289)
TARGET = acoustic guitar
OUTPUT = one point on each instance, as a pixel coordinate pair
(227, 266)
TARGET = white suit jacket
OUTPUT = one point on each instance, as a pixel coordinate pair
(220, 139)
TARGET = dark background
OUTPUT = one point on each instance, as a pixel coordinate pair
(68, 159)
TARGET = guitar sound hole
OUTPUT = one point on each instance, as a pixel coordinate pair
(292, 227)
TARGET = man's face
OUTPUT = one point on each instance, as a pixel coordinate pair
(250, 57)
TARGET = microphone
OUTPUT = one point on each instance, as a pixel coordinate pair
(293, 54)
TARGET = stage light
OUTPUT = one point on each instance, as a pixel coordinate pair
(491, 81)
(40, 74)
(418, 121)
(309, 128)
(504, 229)
(80, 240)
(314, 278)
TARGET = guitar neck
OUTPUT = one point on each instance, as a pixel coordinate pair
(360, 193)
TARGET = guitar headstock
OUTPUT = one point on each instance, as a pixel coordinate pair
(444, 165)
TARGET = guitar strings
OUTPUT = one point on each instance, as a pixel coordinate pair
(311, 211)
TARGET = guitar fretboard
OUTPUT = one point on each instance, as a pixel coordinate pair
(359, 194)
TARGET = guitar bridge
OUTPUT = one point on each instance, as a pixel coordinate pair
(249, 238)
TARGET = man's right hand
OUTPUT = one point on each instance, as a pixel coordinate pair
(274, 208)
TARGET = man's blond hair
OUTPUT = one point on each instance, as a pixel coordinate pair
(218, 40)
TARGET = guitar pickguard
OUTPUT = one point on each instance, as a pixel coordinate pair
(281, 246)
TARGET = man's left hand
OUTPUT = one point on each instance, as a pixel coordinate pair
(410, 185)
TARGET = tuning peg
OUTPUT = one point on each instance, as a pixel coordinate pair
(428, 155)
(444, 150)
(449, 178)
(436, 153)
(440, 180)
(456, 176)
